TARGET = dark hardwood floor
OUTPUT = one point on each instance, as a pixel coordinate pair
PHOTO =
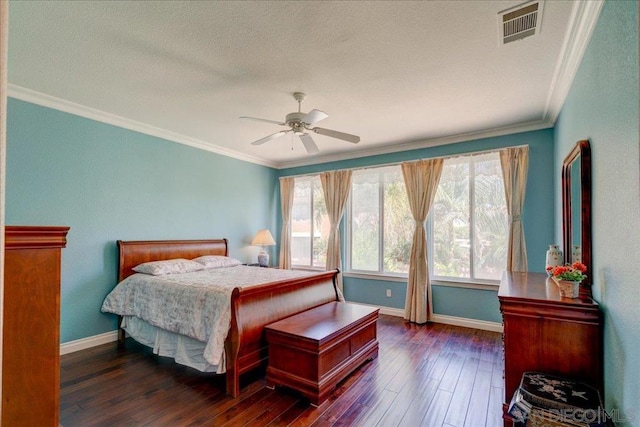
(432, 375)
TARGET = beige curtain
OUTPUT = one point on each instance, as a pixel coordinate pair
(286, 204)
(4, 32)
(421, 180)
(335, 186)
(515, 164)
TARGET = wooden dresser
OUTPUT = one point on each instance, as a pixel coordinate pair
(548, 333)
(31, 332)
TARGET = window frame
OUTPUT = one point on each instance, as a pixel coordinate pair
(346, 229)
(349, 270)
(310, 266)
(443, 280)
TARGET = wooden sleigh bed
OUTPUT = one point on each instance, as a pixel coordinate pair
(251, 309)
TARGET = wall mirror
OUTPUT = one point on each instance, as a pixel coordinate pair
(576, 209)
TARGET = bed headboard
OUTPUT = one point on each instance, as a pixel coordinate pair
(133, 253)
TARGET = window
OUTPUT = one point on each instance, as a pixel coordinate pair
(309, 224)
(467, 224)
(469, 229)
(380, 225)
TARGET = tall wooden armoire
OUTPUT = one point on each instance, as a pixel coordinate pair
(31, 330)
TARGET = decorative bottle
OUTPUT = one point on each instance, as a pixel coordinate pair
(554, 257)
(576, 253)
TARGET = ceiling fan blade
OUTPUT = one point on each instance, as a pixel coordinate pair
(314, 116)
(263, 120)
(308, 143)
(335, 134)
(270, 137)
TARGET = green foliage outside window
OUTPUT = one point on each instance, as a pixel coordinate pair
(467, 223)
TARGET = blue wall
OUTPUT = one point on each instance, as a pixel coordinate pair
(480, 304)
(108, 183)
(374, 291)
(602, 106)
(538, 219)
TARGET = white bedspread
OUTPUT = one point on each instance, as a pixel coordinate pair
(194, 304)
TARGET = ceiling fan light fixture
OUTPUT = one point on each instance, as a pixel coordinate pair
(294, 118)
(300, 122)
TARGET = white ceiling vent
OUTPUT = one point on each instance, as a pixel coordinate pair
(519, 22)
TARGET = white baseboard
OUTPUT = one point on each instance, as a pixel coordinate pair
(107, 337)
(390, 311)
(467, 323)
(84, 343)
(442, 318)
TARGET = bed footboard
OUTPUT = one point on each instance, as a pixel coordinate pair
(254, 308)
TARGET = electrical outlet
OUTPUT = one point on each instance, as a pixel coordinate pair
(388, 293)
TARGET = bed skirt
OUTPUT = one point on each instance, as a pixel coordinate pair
(184, 350)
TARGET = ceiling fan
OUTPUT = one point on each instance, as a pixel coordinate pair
(300, 124)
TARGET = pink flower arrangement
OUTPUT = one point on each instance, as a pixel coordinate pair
(573, 273)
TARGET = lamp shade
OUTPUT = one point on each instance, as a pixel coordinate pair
(263, 238)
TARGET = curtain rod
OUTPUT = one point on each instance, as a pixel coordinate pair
(382, 165)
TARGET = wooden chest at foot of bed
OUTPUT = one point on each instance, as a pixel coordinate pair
(313, 351)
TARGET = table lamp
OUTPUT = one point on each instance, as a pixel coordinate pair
(263, 238)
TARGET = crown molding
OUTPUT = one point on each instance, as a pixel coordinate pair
(416, 145)
(584, 17)
(582, 22)
(39, 98)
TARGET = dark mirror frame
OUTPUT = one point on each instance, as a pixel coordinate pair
(580, 153)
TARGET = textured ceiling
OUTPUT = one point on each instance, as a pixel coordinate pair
(395, 73)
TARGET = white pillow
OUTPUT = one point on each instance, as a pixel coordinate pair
(170, 266)
(217, 261)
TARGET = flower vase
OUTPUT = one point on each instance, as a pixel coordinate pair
(554, 257)
(576, 253)
(568, 289)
